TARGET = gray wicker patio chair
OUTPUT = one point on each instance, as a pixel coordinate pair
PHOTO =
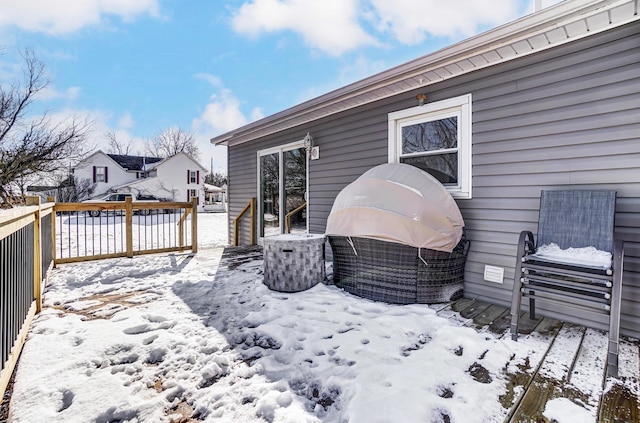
(574, 218)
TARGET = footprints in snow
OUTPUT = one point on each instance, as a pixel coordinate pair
(476, 370)
(105, 305)
(418, 343)
(66, 400)
(155, 323)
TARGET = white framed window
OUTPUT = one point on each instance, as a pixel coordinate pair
(192, 193)
(193, 179)
(436, 138)
(99, 174)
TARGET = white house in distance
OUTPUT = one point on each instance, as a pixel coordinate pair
(215, 198)
(176, 178)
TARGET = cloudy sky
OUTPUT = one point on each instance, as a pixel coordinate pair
(138, 67)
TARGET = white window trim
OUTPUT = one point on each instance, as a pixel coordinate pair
(457, 106)
(100, 173)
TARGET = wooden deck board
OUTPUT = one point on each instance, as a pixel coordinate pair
(488, 315)
(578, 376)
(620, 402)
(502, 323)
(586, 379)
(461, 304)
(474, 309)
(547, 326)
(551, 377)
(521, 375)
(527, 324)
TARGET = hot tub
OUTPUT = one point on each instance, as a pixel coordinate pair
(397, 236)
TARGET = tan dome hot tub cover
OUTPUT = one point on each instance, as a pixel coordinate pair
(398, 203)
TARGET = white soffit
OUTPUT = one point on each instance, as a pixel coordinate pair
(567, 21)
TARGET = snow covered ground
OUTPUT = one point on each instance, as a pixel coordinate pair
(81, 235)
(180, 338)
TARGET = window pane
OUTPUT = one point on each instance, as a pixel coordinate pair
(270, 187)
(295, 185)
(430, 136)
(444, 167)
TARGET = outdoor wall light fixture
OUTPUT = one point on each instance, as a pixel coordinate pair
(308, 141)
(313, 151)
(421, 99)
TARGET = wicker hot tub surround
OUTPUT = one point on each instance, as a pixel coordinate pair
(394, 273)
(397, 236)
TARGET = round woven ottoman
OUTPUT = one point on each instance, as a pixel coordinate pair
(293, 262)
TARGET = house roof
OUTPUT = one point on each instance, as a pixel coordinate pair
(213, 188)
(157, 164)
(134, 162)
(162, 161)
(565, 22)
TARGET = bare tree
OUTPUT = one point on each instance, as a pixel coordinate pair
(71, 189)
(30, 146)
(172, 141)
(218, 179)
(117, 146)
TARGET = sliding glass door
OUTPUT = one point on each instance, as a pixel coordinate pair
(282, 178)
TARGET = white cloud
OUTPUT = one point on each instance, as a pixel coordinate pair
(257, 114)
(125, 121)
(101, 122)
(212, 157)
(336, 26)
(348, 73)
(223, 114)
(360, 68)
(411, 21)
(329, 25)
(50, 93)
(58, 17)
(211, 79)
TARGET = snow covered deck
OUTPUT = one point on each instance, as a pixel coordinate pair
(191, 338)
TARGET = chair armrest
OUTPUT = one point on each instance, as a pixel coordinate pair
(526, 244)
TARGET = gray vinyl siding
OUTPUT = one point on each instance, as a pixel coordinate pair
(564, 118)
(568, 117)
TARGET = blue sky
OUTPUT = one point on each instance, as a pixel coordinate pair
(138, 67)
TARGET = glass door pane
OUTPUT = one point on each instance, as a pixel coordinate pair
(295, 187)
(270, 194)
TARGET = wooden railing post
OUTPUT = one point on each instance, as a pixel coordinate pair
(287, 217)
(37, 253)
(251, 208)
(194, 224)
(53, 230)
(128, 208)
(252, 218)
